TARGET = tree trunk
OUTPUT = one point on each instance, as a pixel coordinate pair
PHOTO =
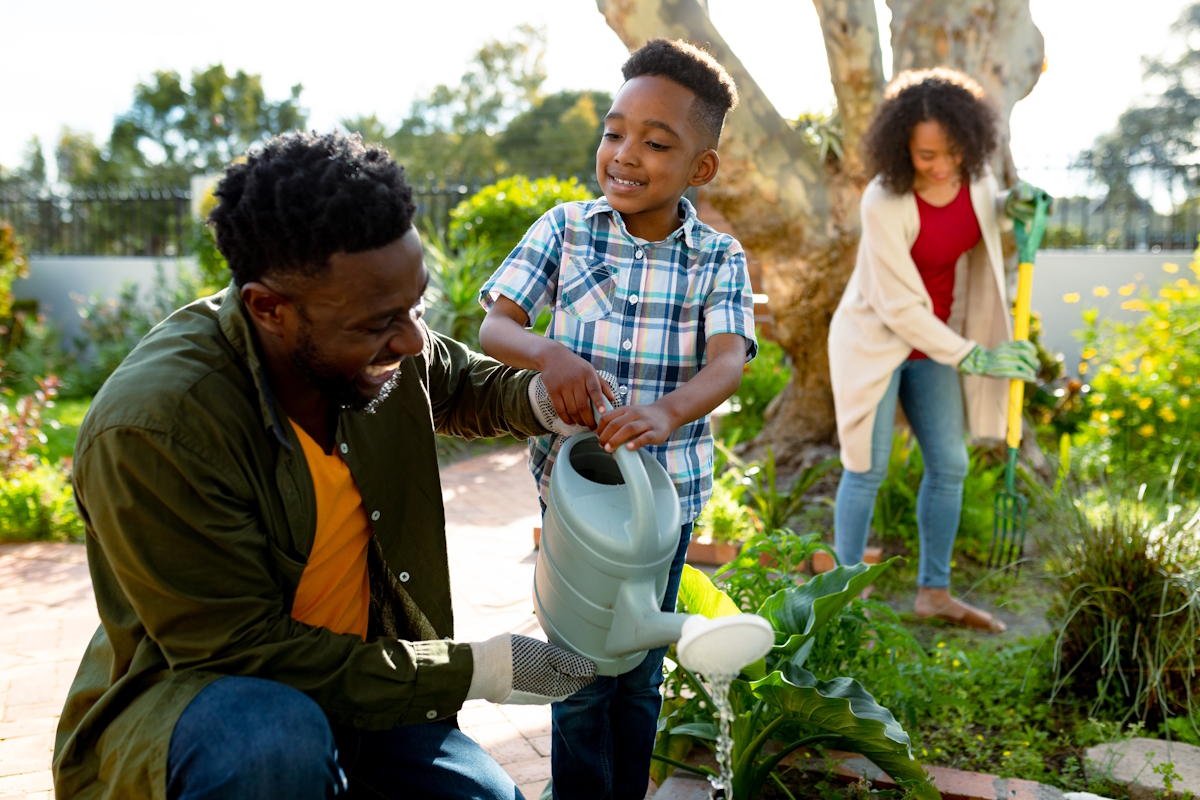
(798, 217)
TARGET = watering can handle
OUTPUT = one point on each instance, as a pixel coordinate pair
(644, 525)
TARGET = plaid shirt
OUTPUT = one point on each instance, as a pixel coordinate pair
(642, 311)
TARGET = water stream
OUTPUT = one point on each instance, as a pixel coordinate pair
(718, 689)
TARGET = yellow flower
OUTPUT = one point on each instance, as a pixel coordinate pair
(979, 737)
(1100, 291)
(1007, 753)
(1089, 353)
(1145, 403)
(1127, 289)
(941, 644)
(924, 752)
(1183, 283)
(1170, 268)
(1096, 398)
(1185, 401)
(1146, 430)
(1117, 413)
(1167, 414)
(1071, 297)
(1025, 744)
(1161, 325)
(1083, 367)
(1133, 305)
(1185, 380)
(955, 662)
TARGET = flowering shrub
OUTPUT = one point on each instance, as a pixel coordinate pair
(501, 213)
(1144, 402)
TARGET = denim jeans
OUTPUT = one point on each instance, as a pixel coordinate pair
(254, 738)
(931, 397)
(602, 736)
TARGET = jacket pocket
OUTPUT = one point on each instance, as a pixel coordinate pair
(587, 289)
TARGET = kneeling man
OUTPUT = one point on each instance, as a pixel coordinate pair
(265, 529)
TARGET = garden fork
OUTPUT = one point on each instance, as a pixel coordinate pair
(1011, 507)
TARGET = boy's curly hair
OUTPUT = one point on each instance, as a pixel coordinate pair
(291, 205)
(693, 69)
(946, 96)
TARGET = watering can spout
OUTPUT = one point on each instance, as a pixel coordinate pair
(638, 624)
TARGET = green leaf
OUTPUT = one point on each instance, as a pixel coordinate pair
(844, 707)
(700, 730)
(699, 596)
(797, 612)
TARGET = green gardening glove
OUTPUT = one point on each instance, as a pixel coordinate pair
(1012, 360)
(1022, 201)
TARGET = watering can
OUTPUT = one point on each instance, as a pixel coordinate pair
(610, 532)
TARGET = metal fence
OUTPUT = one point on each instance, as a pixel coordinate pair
(151, 220)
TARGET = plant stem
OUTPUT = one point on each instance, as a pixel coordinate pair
(699, 770)
(779, 783)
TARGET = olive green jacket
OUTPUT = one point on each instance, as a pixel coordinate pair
(200, 517)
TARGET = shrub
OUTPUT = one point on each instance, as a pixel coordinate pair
(724, 518)
(455, 278)
(762, 379)
(213, 269)
(500, 214)
(37, 504)
(12, 266)
(1145, 386)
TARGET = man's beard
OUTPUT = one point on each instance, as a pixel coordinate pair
(336, 388)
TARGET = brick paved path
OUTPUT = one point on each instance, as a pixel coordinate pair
(48, 614)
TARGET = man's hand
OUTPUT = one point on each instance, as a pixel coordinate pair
(635, 426)
(572, 382)
(519, 670)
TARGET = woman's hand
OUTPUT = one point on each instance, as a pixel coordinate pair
(1012, 360)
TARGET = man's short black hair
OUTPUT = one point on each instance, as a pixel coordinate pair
(302, 198)
(694, 69)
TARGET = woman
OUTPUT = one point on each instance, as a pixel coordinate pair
(924, 319)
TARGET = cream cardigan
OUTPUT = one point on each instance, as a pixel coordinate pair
(886, 312)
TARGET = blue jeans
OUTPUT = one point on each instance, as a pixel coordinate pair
(255, 738)
(602, 735)
(931, 397)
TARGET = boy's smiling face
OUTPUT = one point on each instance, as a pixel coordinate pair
(651, 152)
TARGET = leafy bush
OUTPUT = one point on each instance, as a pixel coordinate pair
(455, 278)
(1145, 387)
(724, 518)
(12, 266)
(37, 503)
(762, 379)
(501, 213)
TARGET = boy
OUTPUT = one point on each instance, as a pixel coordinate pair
(643, 290)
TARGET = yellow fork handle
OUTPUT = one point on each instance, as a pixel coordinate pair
(1016, 388)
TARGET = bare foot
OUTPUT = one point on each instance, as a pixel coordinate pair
(939, 604)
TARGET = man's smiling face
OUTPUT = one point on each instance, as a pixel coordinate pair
(651, 151)
(359, 320)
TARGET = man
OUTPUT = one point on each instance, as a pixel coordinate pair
(265, 530)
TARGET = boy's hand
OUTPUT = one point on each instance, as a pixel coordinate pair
(634, 427)
(572, 382)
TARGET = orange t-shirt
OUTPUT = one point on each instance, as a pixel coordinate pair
(334, 590)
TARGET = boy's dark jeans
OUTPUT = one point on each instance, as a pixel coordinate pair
(603, 735)
(255, 738)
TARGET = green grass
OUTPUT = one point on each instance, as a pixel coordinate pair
(61, 428)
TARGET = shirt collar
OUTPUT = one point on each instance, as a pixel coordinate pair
(239, 331)
(688, 232)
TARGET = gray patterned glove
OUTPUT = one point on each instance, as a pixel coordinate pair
(1012, 360)
(515, 669)
(543, 407)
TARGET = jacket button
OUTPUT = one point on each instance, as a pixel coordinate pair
(403, 576)
(345, 448)
(431, 714)
(374, 516)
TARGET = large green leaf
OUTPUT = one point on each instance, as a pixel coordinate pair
(844, 707)
(699, 596)
(798, 612)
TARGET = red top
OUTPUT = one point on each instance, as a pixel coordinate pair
(946, 233)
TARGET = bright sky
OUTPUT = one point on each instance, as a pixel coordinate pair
(79, 68)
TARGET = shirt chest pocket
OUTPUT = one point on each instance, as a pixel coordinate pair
(587, 288)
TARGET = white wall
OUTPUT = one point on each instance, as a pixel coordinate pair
(53, 279)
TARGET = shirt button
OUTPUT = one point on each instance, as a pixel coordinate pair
(633, 299)
(345, 448)
(374, 516)
(624, 390)
(403, 577)
(639, 253)
(627, 344)
(431, 714)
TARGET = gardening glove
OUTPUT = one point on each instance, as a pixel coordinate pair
(1020, 203)
(543, 408)
(515, 669)
(1013, 360)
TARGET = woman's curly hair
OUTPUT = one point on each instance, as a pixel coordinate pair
(291, 205)
(946, 96)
